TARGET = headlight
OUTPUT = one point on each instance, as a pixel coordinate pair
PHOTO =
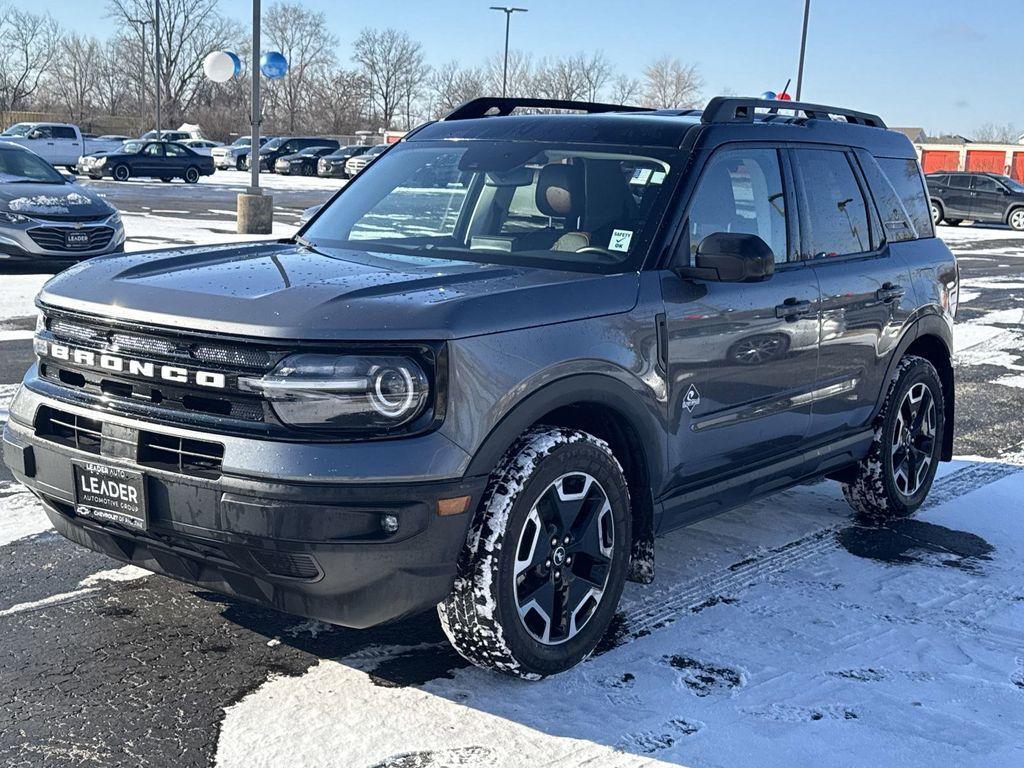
(115, 219)
(347, 392)
(100, 162)
(8, 217)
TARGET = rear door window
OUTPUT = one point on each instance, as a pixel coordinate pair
(905, 176)
(835, 212)
(63, 132)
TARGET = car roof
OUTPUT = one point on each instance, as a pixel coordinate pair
(724, 120)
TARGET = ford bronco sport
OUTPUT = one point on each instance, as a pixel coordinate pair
(501, 360)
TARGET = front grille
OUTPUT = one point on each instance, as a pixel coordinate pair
(292, 565)
(53, 238)
(180, 454)
(70, 429)
(186, 456)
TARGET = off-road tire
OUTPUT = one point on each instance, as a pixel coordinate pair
(121, 173)
(480, 616)
(873, 491)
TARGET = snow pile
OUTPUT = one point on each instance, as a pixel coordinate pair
(49, 204)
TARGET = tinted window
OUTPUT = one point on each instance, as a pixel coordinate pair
(985, 184)
(175, 151)
(940, 179)
(20, 165)
(156, 150)
(905, 177)
(741, 191)
(837, 216)
(960, 181)
(63, 132)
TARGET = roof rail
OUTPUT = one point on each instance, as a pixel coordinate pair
(727, 109)
(504, 106)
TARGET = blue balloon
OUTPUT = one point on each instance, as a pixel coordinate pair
(769, 95)
(273, 64)
(237, 61)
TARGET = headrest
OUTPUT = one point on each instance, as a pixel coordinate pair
(560, 190)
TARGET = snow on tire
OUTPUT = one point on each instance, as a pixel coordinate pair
(545, 559)
(878, 487)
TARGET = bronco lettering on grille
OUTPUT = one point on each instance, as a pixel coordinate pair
(118, 364)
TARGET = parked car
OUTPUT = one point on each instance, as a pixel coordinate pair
(356, 164)
(483, 395)
(302, 163)
(236, 154)
(164, 160)
(46, 217)
(333, 165)
(989, 197)
(201, 146)
(289, 145)
(113, 138)
(169, 135)
(60, 144)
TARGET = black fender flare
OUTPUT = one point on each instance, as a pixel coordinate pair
(617, 396)
(933, 325)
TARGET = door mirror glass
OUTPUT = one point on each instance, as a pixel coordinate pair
(731, 257)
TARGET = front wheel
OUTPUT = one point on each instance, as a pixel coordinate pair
(954, 222)
(309, 170)
(895, 477)
(191, 175)
(1016, 219)
(546, 557)
(240, 164)
(937, 213)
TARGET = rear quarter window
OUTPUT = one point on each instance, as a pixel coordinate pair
(905, 176)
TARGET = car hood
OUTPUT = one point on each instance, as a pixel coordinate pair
(283, 290)
(52, 200)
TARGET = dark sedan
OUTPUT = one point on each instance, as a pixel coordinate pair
(301, 163)
(164, 160)
(988, 197)
(332, 166)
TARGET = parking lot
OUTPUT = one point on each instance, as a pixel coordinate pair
(782, 633)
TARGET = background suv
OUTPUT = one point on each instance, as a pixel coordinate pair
(289, 145)
(986, 197)
(499, 361)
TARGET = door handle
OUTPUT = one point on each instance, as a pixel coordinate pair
(889, 292)
(792, 308)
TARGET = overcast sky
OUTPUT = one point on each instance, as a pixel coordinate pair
(946, 65)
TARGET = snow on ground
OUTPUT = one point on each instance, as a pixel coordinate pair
(852, 646)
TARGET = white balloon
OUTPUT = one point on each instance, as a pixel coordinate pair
(219, 66)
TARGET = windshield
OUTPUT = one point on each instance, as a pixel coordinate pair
(242, 141)
(1012, 184)
(18, 129)
(275, 143)
(18, 165)
(568, 206)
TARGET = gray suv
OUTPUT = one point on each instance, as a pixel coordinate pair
(498, 362)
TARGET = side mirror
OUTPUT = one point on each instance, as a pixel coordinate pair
(730, 257)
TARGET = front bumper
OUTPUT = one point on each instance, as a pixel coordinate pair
(331, 171)
(313, 546)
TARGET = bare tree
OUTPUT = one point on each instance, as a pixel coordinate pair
(29, 46)
(75, 74)
(626, 90)
(189, 29)
(595, 71)
(337, 101)
(998, 134)
(560, 78)
(451, 85)
(671, 84)
(111, 88)
(521, 79)
(392, 64)
(302, 36)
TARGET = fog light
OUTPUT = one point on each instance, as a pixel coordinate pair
(389, 523)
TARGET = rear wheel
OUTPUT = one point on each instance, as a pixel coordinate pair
(240, 164)
(1016, 219)
(192, 175)
(895, 477)
(121, 173)
(166, 179)
(954, 222)
(546, 557)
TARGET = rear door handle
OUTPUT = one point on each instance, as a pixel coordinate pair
(792, 308)
(890, 292)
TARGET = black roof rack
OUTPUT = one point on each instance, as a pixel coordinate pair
(493, 105)
(727, 109)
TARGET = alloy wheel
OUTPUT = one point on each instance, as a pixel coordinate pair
(936, 214)
(563, 558)
(1017, 219)
(913, 439)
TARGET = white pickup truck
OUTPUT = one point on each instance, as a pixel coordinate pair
(61, 144)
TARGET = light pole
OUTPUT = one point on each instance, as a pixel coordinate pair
(803, 48)
(156, 64)
(508, 11)
(255, 211)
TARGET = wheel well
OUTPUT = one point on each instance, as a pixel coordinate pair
(615, 429)
(1012, 208)
(933, 349)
